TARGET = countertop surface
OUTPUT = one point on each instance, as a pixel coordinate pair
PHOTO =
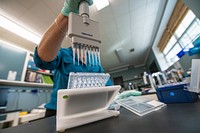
(174, 118)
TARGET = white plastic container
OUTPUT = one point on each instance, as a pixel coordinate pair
(195, 76)
(76, 107)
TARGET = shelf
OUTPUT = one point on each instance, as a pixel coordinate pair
(139, 78)
(10, 111)
(28, 84)
(39, 72)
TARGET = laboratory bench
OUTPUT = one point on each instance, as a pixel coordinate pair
(174, 118)
(14, 95)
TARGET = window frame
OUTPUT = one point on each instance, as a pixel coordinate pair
(178, 39)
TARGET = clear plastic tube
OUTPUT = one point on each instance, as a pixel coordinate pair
(85, 51)
(99, 57)
(87, 54)
(78, 51)
(92, 53)
(96, 58)
(82, 57)
(73, 49)
(89, 61)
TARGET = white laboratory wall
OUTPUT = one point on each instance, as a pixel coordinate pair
(130, 73)
(151, 58)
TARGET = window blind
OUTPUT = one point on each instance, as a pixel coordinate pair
(177, 16)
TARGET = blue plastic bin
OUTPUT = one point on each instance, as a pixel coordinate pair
(177, 93)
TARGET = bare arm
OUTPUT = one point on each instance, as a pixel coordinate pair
(52, 39)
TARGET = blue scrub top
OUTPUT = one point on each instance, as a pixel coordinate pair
(63, 65)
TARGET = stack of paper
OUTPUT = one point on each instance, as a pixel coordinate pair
(140, 107)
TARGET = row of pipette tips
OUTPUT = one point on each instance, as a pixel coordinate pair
(88, 55)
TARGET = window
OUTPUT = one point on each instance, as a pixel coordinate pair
(194, 30)
(185, 40)
(169, 45)
(180, 30)
(188, 19)
(185, 34)
(173, 52)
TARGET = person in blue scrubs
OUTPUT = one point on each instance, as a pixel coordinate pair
(49, 54)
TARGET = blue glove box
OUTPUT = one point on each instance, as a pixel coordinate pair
(176, 93)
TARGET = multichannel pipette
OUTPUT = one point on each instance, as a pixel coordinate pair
(85, 37)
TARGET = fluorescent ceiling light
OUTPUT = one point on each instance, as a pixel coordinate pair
(19, 30)
(100, 4)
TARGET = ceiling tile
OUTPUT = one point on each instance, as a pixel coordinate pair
(134, 4)
(11, 10)
(106, 63)
(39, 18)
(138, 15)
(119, 7)
(114, 38)
(123, 20)
(32, 23)
(152, 7)
(43, 28)
(101, 30)
(146, 40)
(147, 37)
(149, 1)
(54, 5)
(105, 14)
(26, 3)
(149, 22)
(137, 37)
(126, 47)
(94, 14)
(125, 33)
(135, 26)
(104, 39)
(41, 11)
(109, 26)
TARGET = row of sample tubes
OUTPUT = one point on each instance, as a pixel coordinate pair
(86, 54)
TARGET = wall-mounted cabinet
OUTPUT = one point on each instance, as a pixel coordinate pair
(11, 61)
(26, 90)
(17, 65)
